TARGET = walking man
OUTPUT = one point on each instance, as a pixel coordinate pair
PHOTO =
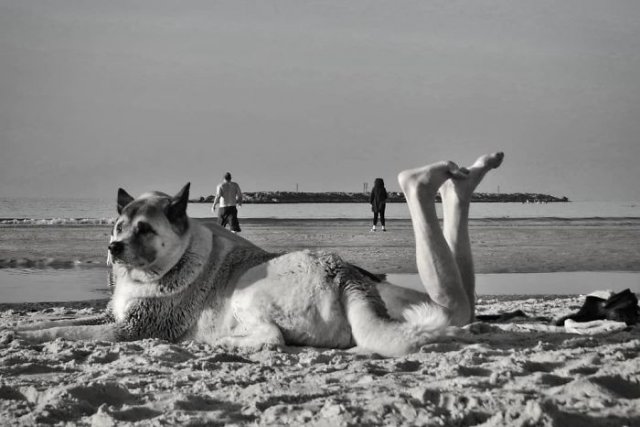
(229, 195)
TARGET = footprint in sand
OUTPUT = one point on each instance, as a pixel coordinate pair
(620, 386)
(473, 371)
(583, 366)
(169, 353)
(98, 393)
(603, 388)
(106, 416)
(63, 403)
(10, 393)
(407, 366)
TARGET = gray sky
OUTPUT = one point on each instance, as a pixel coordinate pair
(150, 94)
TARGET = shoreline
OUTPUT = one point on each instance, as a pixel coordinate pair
(98, 299)
(500, 245)
(81, 221)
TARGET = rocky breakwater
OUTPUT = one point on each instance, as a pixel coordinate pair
(394, 197)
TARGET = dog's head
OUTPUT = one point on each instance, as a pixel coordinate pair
(151, 232)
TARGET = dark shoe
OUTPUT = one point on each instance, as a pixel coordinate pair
(621, 307)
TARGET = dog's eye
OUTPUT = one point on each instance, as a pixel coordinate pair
(119, 227)
(144, 227)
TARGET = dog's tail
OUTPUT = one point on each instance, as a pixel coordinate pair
(373, 330)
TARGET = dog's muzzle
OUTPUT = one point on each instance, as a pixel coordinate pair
(116, 248)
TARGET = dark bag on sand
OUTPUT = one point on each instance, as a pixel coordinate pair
(621, 307)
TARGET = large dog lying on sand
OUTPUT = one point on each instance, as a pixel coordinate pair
(176, 279)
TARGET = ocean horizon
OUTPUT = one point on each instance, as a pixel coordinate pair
(44, 211)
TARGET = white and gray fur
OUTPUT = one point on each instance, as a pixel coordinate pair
(222, 289)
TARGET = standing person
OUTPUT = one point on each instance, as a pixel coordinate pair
(378, 200)
(228, 194)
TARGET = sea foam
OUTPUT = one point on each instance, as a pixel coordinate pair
(57, 221)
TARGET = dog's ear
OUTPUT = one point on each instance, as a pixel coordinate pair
(178, 207)
(123, 200)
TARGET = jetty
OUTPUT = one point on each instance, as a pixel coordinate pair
(272, 197)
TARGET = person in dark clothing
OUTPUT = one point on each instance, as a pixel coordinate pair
(228, 195)
(378, 200)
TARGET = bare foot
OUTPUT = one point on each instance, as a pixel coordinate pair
(426, 180)
(463, 189)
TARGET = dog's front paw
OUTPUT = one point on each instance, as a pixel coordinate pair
(249, 343)
(28, 337)
(269, 346)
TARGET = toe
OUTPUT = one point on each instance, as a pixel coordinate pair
(489, 161)
(498, 157)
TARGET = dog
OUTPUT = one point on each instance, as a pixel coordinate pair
(177, 279)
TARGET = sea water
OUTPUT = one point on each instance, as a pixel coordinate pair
(95, 211)
(24, 285)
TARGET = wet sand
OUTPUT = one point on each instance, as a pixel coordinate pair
(499, 246)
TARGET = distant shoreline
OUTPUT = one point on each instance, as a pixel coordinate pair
(276, 197)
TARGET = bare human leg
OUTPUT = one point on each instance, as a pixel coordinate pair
(436, 264)
(456, 197)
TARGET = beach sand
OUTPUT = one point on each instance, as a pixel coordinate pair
(510, 374)
(522, 372)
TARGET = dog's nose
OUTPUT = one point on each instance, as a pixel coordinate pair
(116, 248)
